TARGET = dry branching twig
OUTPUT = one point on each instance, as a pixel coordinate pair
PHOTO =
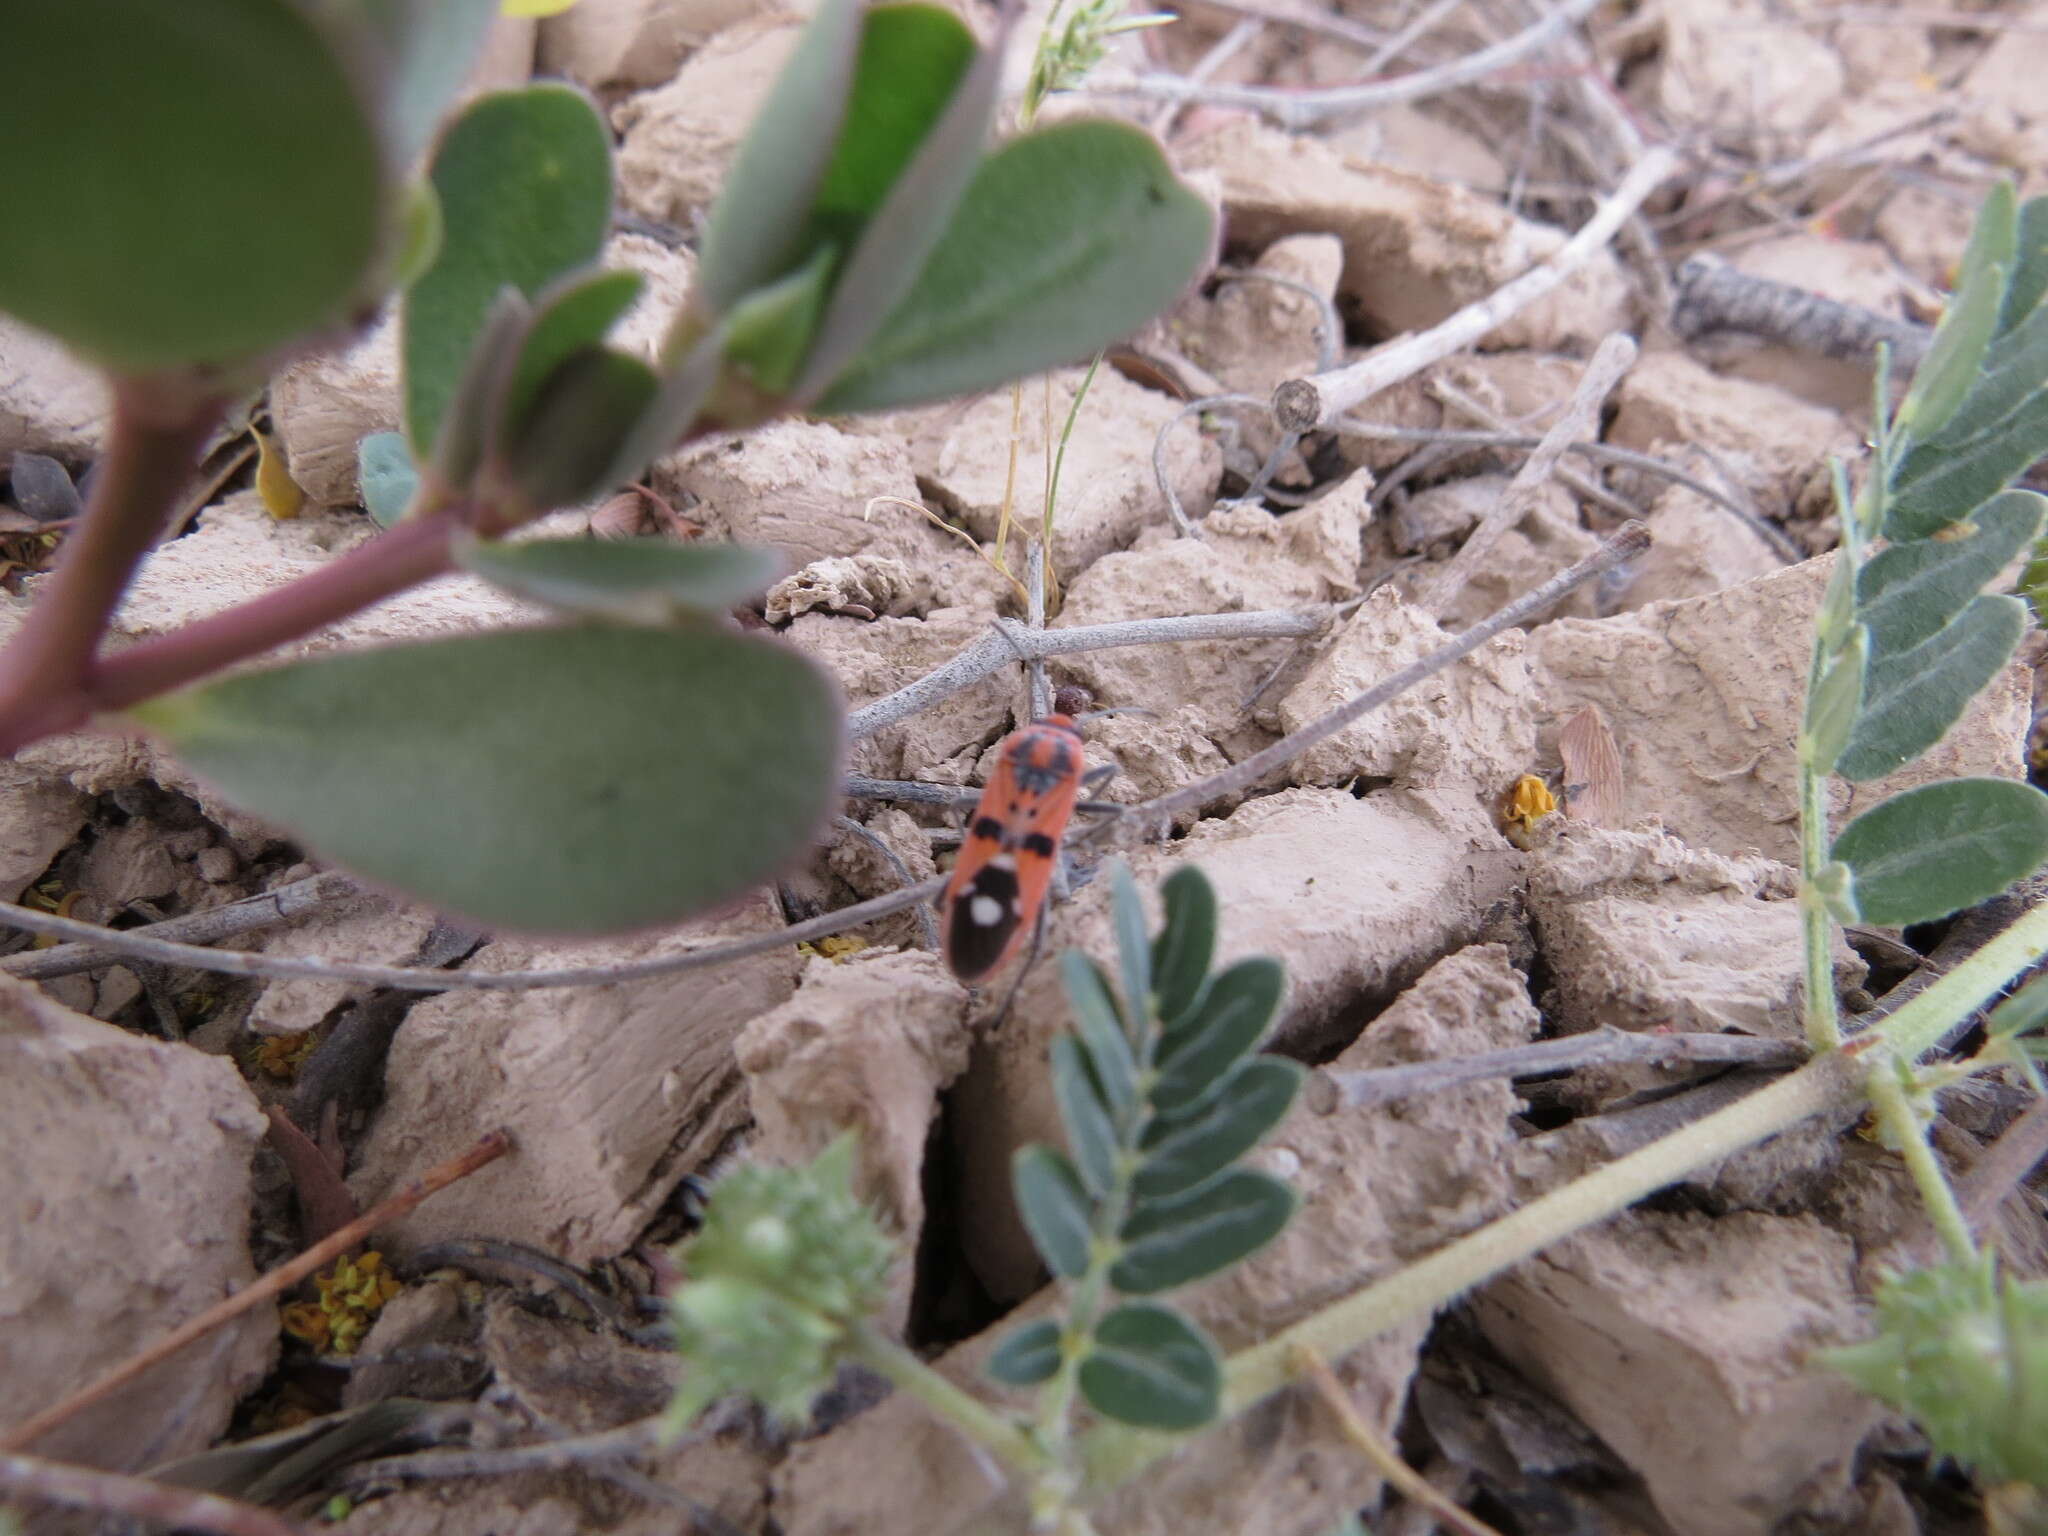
(1306, 404)
(275, 1283)
(117, 1493)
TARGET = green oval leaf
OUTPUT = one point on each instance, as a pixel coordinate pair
(1067, 239)
(1090, 1134)
(1952, 363)
(1907, 593)
(1232, 1020)
(1101, 1031)
(769, 331)
(525, 183)
(1055, 1208)
(1832, 706)
(1942, 847)
(577, 312)
(470, 424)
(562, 451)
(1147, 1365)
(756, 229)
(191, 183)
(1027, 1355)
(385, 474)
(1133, 947)
(1183, 1150)
(1912, 697)
(1942, 482)
(2028, 285)
(632, 581)
(580, 780)
(892, 237)
(1182, 1238)
(1186, 946)
(684, 388)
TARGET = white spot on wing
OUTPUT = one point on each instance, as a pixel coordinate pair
(985, 911)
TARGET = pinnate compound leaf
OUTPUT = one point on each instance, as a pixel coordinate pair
(190, 183)
(1907, 593)
(1942, 847)
(1055, 1208)
(1183, 1150)
(525, 183)
(1101, 1031)
(756, 229)
(1912, 697)
(385, 475)
(1090, 1133)
(631, 581)
(1066, 239)
(1027, 1355)
(1148, 1365)
(580, 780)
(1231, 1021)
(1182, 1238)
(1186, 944)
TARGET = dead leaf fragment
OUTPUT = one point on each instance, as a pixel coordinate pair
(1593, 788)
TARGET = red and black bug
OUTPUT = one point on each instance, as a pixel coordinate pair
(1011, 847)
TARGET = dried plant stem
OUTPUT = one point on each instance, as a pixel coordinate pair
(1411, 1485)
(272, 907)
(1009, 642)
(1300, 109)
(1628, 541)
(1715, 296)
(1580, 419)
(1303, 405)
(2017, 1152)
(1329, 1092)
(275, 1283)
(117, 1493)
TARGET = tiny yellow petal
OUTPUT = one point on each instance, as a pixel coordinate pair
(282, 496)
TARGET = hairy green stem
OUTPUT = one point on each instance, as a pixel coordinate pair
(1904, 1130)
(151, 448)
(964, 1411)
(1115, 1455)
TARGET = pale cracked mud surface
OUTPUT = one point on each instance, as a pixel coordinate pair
(1650, 1375)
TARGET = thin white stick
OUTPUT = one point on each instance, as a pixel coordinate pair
(1581, 419)
(1303, 405)
(1300, 109)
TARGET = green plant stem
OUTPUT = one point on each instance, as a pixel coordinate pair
(1903, 1130)
(964, 1411)
(151, 448)
(1114, 1455)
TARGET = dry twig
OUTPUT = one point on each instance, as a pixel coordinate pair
(275, 1283)
(117, 1493)
(1329, 1091)
(1411, 1485)
(1303, 108)
(1713, 295)
(1306, 404)
(1581, 419)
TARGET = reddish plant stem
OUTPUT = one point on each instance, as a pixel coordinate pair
(275, 1283)
(117, 1493)
(149, 457)
(414, 551)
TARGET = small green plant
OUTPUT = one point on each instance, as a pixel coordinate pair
(637, 760)
(1161, 1091)
(1905, 637)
